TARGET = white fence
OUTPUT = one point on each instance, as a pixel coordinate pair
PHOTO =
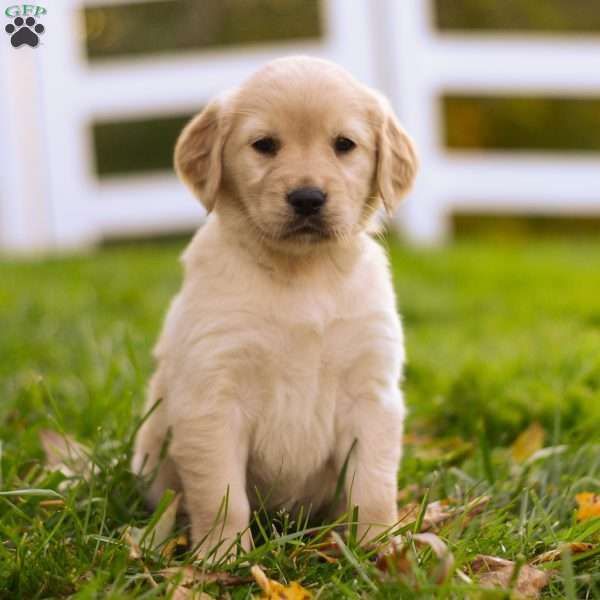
(50, 198)
(430, 64)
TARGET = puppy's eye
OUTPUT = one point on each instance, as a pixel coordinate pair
(343, 145)
(266, 145)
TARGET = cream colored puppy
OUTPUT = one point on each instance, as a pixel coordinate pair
(280, 357)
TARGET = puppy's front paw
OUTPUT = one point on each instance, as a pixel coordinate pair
(375, 524)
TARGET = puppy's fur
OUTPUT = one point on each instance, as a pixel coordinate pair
(280, 357)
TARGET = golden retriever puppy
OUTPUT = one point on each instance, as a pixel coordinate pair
(280, 358)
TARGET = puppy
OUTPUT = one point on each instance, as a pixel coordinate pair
(280, 357)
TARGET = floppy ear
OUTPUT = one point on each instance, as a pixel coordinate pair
(198, 154)
(397, 161)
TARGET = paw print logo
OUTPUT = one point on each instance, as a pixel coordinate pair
(24, 31)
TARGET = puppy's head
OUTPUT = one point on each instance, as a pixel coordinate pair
(301, 151)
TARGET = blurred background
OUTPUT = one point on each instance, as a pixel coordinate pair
(503, 100)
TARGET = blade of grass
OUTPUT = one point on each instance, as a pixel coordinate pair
(352, 560)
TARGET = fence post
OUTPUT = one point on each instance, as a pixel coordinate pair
(69, 152)
(24, 210)
(350, 36)
(407, 35)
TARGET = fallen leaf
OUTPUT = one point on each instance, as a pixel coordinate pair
(498, 572)
(273, 590)
(436, 513)
(528, 443)
(327, 549)
(589, 506)
(135, 552)
(182, 578)
(66, 455)
(556, 554)
(189, 575)
(182, 593)
(396, 556)
(169, 548)
(440, 512)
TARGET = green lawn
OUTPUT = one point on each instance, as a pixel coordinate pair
(499, 336)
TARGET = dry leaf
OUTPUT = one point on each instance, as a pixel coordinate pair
(528, 443)
(327, 549)
(396, 556)
(66, 455)
(554, 555)
(183, 593)
(589, 506)
(273, 590)
(438, 513)
(169, 548)
(135, 552)
(189, 575)
(498, 572)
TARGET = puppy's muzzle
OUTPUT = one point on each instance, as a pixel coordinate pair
(307, 201)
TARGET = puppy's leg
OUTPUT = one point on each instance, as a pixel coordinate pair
(211, 455)
(150, 440)
(374, 435)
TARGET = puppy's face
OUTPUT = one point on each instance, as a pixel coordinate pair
(301, 151)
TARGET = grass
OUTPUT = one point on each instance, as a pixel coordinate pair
(499, 336)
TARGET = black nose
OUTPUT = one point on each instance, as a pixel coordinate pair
(307, 201)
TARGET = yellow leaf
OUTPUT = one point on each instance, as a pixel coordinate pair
(528, 442)
(169, 548)
(273, 590)
(589, 506)
(556, 554)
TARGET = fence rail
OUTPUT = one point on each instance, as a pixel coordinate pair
(429, 64)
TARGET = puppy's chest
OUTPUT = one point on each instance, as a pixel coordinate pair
(295, 410)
